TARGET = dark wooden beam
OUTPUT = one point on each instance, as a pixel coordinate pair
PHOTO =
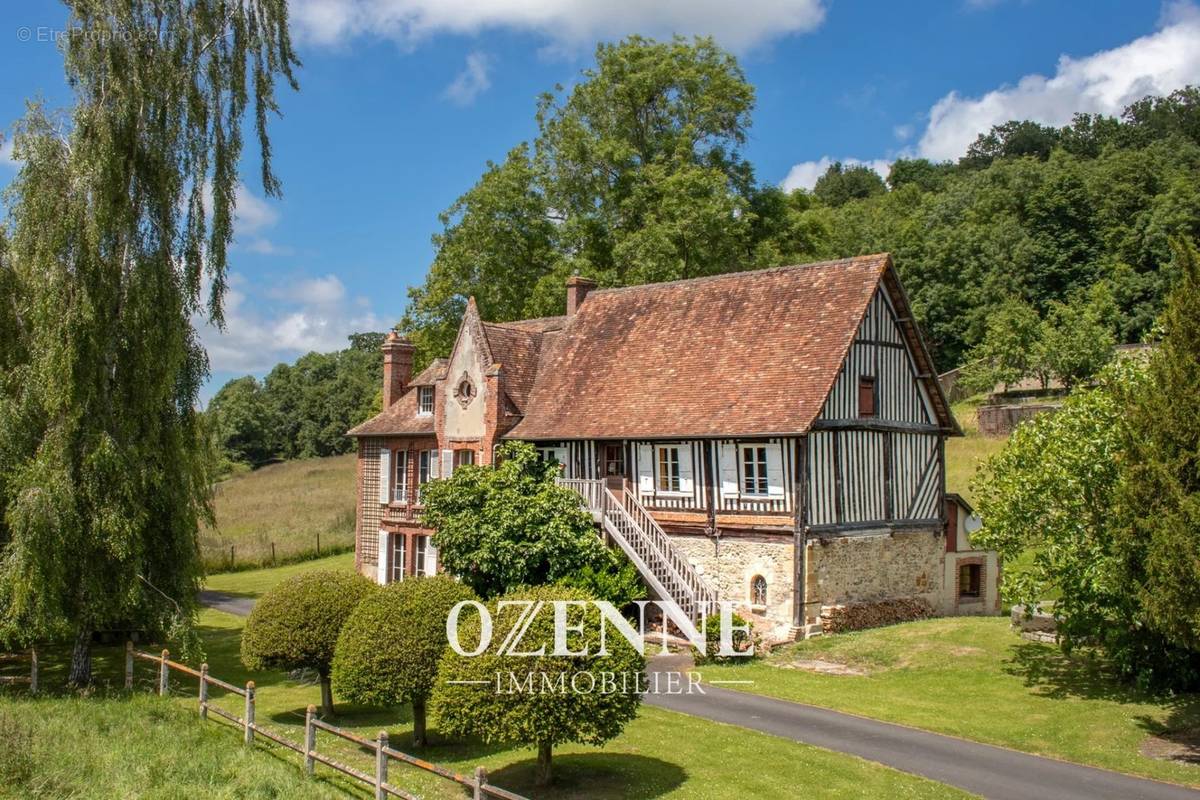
(870, 424)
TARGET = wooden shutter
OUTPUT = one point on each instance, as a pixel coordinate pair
(385, 554)
(447, 463)
(687, 481)
(435, 465)
(866, 396)
(951, 525)
(774, 470)
(645, 459)
(431, 556)
(729, 469)
(385, 475)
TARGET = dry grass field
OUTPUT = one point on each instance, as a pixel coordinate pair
(289, 505)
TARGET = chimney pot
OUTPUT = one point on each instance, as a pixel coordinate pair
(397, 367)
(578, 288)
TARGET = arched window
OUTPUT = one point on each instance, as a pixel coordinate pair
(758, 591)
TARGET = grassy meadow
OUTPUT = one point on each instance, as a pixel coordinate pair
(289, 504)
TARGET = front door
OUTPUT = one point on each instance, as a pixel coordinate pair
(612, 465)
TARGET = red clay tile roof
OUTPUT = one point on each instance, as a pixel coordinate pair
(516, 349)
(741, 354)
(431, 374)
(400, 419)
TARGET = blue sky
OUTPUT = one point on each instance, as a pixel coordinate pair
(403, 101)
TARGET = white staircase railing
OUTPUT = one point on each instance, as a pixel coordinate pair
(666, 571)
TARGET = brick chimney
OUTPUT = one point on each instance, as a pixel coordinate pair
(577, 291)
(397, 367)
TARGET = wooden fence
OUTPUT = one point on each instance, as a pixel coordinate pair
(384, 754)
(31, 679)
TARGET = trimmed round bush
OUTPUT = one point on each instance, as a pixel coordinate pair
(543, 700)
(389, 651)
(296, 624)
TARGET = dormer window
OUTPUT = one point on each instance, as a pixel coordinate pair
(424, 400)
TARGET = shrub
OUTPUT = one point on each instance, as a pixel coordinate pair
(296, 624)
(619, 583)
(389, 650)
(548, 712)
(742, 641)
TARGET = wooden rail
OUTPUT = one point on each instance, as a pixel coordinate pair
(31, 679)
(384, 754)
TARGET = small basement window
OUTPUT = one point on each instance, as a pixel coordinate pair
(970, 581)
(866, 396)
(758, 591)
(424, 400)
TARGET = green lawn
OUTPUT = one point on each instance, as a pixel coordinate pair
(288, 504)
(965, 453)
(973, 677)
(252, 583)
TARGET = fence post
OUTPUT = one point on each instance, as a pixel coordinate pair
(249, 715)
(231, 556)
(480, 781)
(33, 670)
(128, 663)
(272, 554)
(204, 691)
(318, 543)
(163, 674)
(310, 740)
(381, 764)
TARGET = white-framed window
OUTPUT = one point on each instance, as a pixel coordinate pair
(463, 458)
(425, 556)
(426, 464)
(400, 480)
(424, 400)
(399, 556)
(669, 477)
(754, 470)
(758, 591)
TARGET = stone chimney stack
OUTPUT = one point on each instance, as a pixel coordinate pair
(577, 291)
(397, 367)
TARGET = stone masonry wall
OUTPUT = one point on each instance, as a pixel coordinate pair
(863, 569)
(731, 563)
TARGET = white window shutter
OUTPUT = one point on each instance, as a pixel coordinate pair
(385, 474)
(447, 463)
(774, 470)
(729, 469)
(431, 557)
(385, 551)
(645, 457)
(686, 474)
(435, 465)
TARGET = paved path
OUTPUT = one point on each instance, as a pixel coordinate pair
(229, 603)
(991, 772)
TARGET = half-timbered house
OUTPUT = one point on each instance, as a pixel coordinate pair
(774, 438)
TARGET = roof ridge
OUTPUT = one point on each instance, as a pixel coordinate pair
(741, 273)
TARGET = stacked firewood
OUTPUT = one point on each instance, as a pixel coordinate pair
(856, 616)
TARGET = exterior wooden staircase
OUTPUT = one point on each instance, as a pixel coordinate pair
(667, 572)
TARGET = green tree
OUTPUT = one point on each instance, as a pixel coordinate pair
(119, 212)
(242, 422)
(1160, 496)
(1009, 352)
(567, 700)
(511, 525)
(1013, 139)
(841, 184)
(920, 172)
(1076, 340)
(389, 650)
(296, 624)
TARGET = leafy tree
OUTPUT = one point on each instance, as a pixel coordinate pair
(242, 422)
(920, 172)
(1051, 492)
(618, 583)
(840, 184)
(1075, 341)
(509, 526)
(119, 212)
(566, 700)
(389, 650)
(1009, 352)
(1160, 496)
(1013, 139)
(296, 624)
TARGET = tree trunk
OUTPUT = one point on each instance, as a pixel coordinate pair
(326, 698)
(81, 659)
(418, 708)
(543, 775)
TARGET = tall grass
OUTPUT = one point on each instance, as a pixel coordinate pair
(282, 513)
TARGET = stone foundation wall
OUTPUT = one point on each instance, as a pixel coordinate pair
(866, 569)
(732, 562)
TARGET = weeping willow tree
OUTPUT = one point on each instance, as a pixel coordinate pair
(118, 225)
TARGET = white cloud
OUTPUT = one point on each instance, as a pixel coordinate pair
(1103, 83)
(6, 154)
(471, 82)
(283, 322)
(568, 23)
(804, 175)
(253, 216)
(903, 132)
